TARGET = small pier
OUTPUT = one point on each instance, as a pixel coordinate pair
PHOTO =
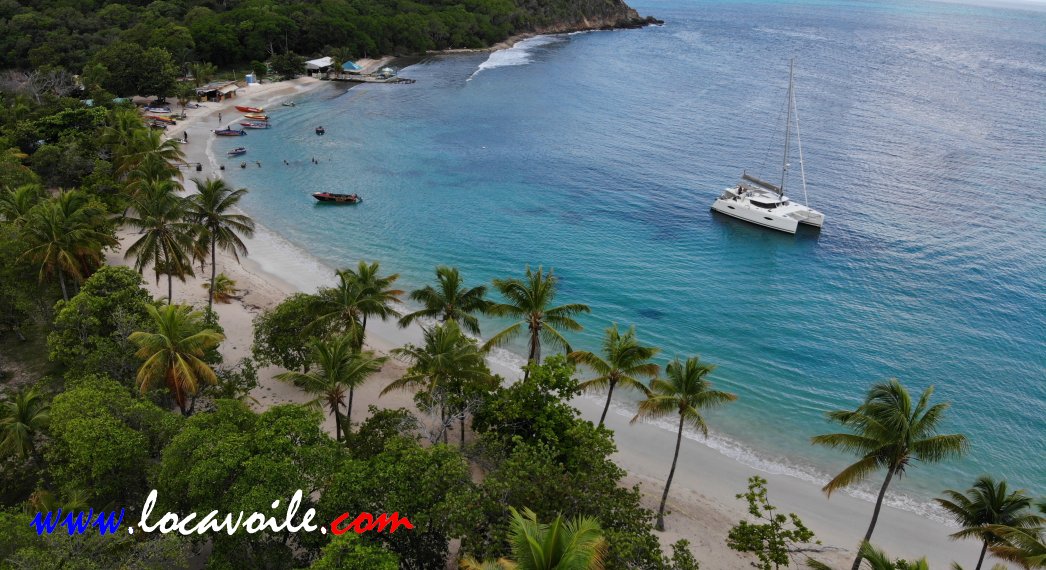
(371, 79)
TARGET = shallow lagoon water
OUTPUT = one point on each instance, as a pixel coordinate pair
(599, 154)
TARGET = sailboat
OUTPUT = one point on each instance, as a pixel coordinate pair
(763, 203)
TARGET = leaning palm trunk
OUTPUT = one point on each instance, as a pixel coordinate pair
(984, 549)
(671, 472)
(606, 407)
(875, 517)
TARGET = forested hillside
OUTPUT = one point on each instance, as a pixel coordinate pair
(68, 33)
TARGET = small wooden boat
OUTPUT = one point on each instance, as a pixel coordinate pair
(237, 151)
(163, 110)
(290, 104)
(320, 130)
(167, 120)
(332, 198)
(255, 124)
(230, 132)
(257, 116)
(249, 109)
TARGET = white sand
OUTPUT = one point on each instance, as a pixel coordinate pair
(702, 504)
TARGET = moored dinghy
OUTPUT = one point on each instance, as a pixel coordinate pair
(332, 198)
(230, 132)
(237, 151)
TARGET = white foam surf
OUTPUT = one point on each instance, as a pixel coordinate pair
(519, 54)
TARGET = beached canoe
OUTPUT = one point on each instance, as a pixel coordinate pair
(249, 109)
(230, 132)
(332, 198)
(167, 120)
(163, 110)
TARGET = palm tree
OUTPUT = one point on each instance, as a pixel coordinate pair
(167, 234)
(66, 236)
(15, 203)
(145, 150)
(172, 355)
(338, 368)
(879, 560)
(360, 293)
(685, 391)
(447, 357)
(560, 545)
(888, 433)
(20, 418)
(988, 503)
(625, 360)
(218, 227)
(1025, 546)
(529, 300)
(450, 301)
(223, 290)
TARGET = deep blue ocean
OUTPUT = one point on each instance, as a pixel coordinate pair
(599, 154)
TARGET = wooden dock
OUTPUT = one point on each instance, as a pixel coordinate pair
(371, 79)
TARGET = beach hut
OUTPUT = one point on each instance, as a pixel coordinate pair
(320, 65)
(351, 67)
(217, 90)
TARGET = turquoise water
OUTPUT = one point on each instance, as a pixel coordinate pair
(924, 134)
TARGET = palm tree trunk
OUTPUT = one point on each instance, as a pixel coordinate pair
(534, 357)
(61, 280)
(664, 496)
(610, 393)
(348, 413)
(337, 424)
(875, 516)
(210, 296)
(170, 289)
(462, 418)
(984, 548)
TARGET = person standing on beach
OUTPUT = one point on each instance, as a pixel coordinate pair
(185, 136)
(219, 117)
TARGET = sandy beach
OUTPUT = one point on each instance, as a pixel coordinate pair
(702, 504)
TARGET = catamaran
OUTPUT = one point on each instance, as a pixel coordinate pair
(760, 202)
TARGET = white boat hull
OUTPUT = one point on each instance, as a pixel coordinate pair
(766, 219)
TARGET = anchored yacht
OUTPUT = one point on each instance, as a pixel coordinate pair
(763, 203)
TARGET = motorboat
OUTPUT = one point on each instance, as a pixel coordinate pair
(332, 198)
(230, 132)
(763, 203)
(257, 116)
(238, 151)
(255, 124)
(249, 109)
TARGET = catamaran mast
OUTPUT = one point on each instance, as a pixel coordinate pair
(788, 129)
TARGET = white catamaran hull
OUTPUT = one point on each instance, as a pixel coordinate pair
(762, 218)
